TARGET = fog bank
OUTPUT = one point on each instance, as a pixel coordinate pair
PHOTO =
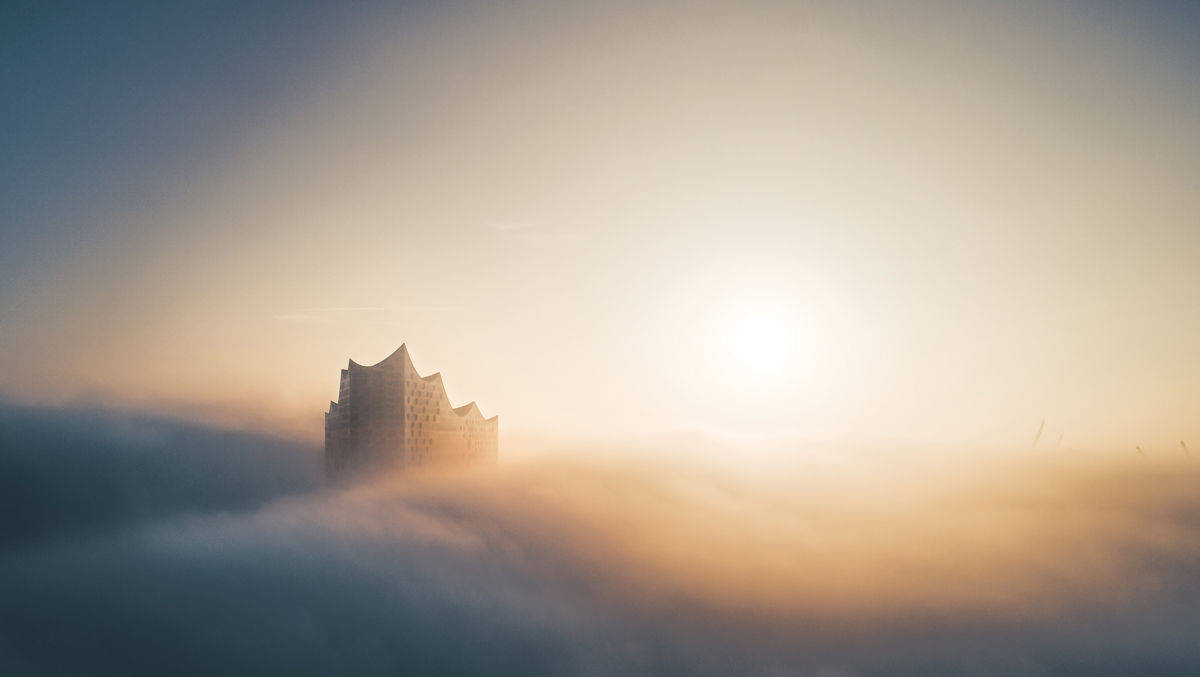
(228, 558)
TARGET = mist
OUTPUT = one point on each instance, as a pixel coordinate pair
(232, 556)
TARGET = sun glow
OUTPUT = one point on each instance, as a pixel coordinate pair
(761, 342)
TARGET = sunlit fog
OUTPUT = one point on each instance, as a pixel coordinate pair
(600, 338)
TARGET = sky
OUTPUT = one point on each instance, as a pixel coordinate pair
(846, 223)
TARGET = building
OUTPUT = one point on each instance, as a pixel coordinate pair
(387, 416)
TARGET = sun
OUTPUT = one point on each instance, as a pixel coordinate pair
(761, 342)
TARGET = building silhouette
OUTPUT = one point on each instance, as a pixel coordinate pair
(388, 416)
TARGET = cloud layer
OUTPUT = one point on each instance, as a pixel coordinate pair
(154, 547)
(74, 471)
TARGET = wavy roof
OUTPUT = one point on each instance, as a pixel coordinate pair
(401, 357)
